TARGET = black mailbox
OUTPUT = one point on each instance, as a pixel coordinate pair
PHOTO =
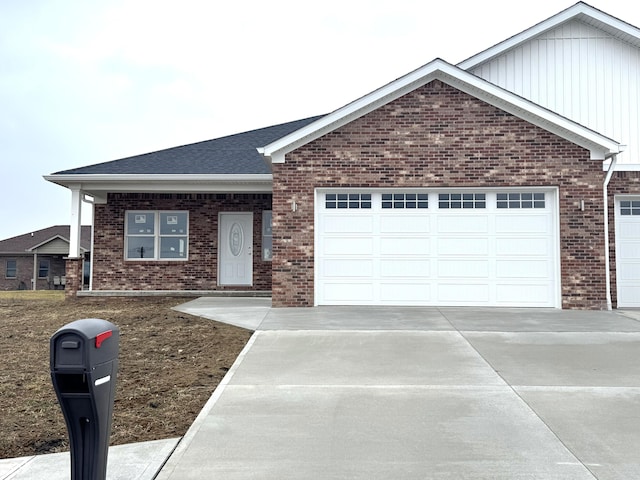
(84, 362)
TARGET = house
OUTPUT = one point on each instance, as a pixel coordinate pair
(511, 179)
(36, 260)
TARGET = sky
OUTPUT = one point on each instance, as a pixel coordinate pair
(88, 81)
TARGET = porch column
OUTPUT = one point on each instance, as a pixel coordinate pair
(76, 219)
(34, 278)
(73, 263)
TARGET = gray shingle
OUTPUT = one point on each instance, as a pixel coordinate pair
(234, 154)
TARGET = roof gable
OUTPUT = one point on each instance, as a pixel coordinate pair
(580, 12)
(30, 242)
(600, 147)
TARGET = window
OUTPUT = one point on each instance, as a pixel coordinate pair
(520, 200)
(12, 269)
(348, 200)
(43, 268)
(462, 200)
(630, 207)
(405, 200)
(267, 235)
(156, 235)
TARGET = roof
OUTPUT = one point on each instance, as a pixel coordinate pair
(580, 11)
(28, 242)
(233, 154)
(601, 147)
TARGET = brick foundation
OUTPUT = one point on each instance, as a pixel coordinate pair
(74, 277)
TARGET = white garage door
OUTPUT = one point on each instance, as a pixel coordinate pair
(454, 247)
(628, 251)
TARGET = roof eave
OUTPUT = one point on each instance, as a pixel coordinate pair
(99, 184)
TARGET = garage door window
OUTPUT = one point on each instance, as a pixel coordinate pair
(462, 200)
(405, 200)
(630, 207)
(520, 200)
(348, 200)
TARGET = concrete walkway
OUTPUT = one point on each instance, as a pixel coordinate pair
(443, 393)
(407, 393)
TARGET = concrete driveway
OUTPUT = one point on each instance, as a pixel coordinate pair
(420, 393)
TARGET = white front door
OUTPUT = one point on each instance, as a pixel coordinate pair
(235, 249)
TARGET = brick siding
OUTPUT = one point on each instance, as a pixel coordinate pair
(112, 272)
(24, 272)
(437, 136)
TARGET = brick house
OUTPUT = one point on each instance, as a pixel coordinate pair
(496, 182)
(37, 260)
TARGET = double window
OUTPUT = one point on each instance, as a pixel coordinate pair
(156, 235)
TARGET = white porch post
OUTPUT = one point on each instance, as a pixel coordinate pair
(34, 280)
(76, 219)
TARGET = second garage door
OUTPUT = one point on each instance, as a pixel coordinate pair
(447, 247)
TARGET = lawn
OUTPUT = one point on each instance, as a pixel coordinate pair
(169, 364)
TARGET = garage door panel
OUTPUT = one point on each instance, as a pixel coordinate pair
(463, 294)
(630, 251)
(512, 246)
(630, 229)
(348, 292)
(404, 246)
(463, 268)
(397, 224)
(347, 224)
(516, 268)
(629, 271)
(469, 224)
(405, 293)
(348, 246)
(463, 246)
(524, 223)
(412, 268)
(347, 268)
(527, 295)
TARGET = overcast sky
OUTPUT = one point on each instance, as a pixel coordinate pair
(84, 81)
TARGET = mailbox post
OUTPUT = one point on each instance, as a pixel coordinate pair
(84, 362)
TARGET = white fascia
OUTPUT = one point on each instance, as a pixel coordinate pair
(98, 185)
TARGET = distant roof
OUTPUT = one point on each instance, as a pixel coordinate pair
(23, 243)
(234, 154)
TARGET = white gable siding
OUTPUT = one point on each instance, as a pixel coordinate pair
(54, 247)
(580, 72)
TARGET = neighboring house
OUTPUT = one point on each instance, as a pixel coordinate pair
(512, 179)
(36, 260)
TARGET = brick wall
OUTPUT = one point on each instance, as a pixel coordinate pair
(112, 272)
(24, 272)
(437, 136)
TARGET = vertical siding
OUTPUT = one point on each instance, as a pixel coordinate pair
(580, 72)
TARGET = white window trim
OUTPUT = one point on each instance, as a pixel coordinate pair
(156, 236)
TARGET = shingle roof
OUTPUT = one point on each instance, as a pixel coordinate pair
(234, 154)
(22, 243)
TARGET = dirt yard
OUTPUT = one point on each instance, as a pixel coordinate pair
(169, 364)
